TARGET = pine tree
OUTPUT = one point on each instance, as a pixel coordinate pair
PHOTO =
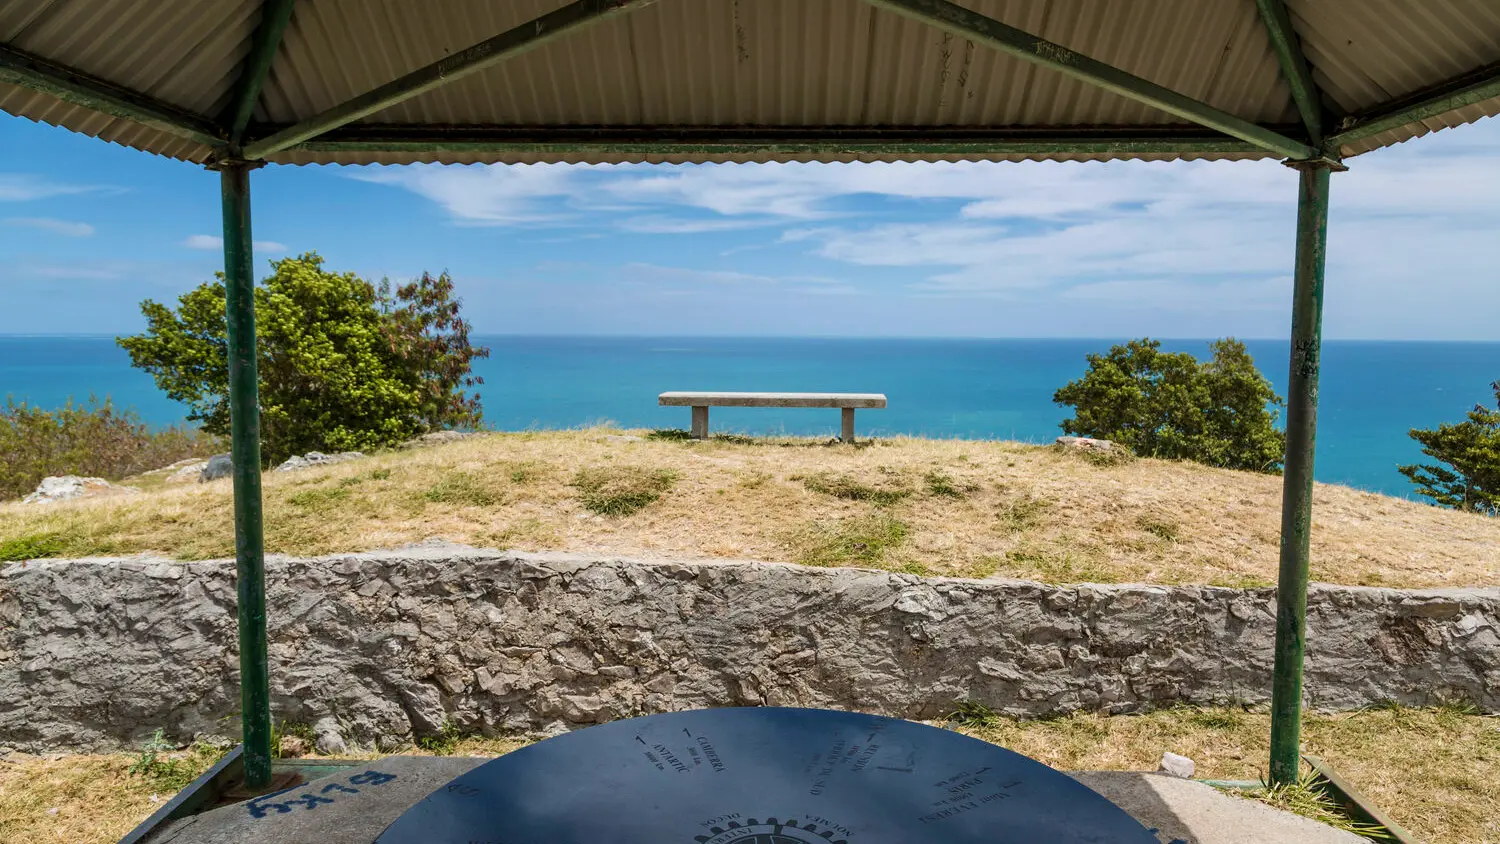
(1470, 450)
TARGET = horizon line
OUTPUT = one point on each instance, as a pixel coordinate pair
(865, 337)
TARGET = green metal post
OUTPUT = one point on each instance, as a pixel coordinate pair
(275, 15)
(1297, 483)
(1294, 68)
(244, 427)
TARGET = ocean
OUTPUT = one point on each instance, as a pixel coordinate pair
(1372, 392)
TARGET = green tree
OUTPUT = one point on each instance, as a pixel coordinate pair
(343, 364)
(1169, 404)
(1470, 480)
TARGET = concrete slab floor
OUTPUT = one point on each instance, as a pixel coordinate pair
(356, 805)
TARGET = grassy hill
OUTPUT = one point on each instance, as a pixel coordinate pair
(947, 507)
(974, 509)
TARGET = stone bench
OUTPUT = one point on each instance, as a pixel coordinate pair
(701, 402)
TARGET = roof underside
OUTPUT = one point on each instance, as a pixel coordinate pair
(754, 80)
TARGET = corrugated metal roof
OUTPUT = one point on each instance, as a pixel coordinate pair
(172, 51)
(787, 63)
(1378, 51)
(746, 63)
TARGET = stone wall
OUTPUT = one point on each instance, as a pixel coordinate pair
(378, 647)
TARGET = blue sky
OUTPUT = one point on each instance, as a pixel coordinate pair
(88, 229)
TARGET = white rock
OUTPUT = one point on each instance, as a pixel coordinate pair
(187, 472)
(1087, 444)
(1177, 766)
(438, 438)
(330, 741)
(317, 458)
(69, 487)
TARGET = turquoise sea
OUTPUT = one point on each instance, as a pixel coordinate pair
(1372, 392)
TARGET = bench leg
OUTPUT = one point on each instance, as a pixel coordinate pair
(847, 435)
(700, 423)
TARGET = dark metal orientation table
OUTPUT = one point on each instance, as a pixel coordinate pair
(764, 776)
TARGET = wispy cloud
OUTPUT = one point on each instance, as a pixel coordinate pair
(67, 228)
(77, 272)
(1412, 228)
(1270, 294)
(23, 187)
(490, 195)
(213, 241)
(145, 277)
(671, 225)
(689, 277)
(640, 199)
(655, 273)
(1201, 236)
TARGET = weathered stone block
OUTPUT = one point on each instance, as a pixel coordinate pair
(96, 654)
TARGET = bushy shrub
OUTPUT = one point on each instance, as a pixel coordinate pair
(94, 439)
(344, 364)
(855, 541)
(1221, 412)
(621, 490)
(888, 491)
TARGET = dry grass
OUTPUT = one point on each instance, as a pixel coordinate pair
(73, 799)
(1434, 770)
(963, 508)
(97, 799)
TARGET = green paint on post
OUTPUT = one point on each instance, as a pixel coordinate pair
(1293, 65)
(1023, 45)
(244, 429)
(1297, 483)
(508, 44)
(18, 67)
(275, 15)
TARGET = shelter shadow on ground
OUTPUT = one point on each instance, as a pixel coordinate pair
(1178, 810)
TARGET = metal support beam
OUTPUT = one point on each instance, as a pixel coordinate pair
(776, 140)
(1294, 66)
(1023, 45)
(244, 429)
(18, 67)
(1297, 482)
(1356, 806)
(485, 54)
(1430, 102)
(274, 17)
